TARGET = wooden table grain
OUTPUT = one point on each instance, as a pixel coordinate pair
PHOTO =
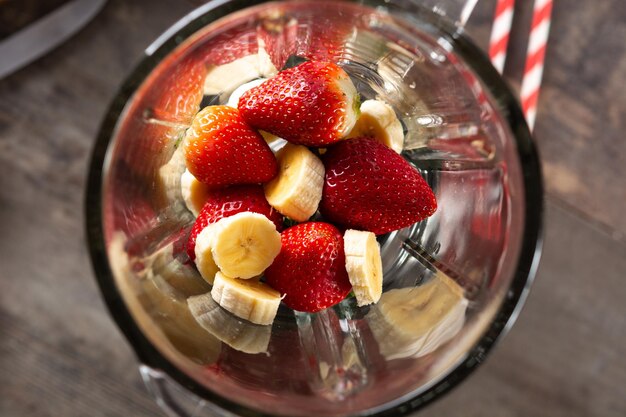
(62, 355)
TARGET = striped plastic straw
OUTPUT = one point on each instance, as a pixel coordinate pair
(499, 39)
(535, 56)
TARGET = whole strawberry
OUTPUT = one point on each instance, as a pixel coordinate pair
(310, 269)
(368, 186)
(222, 149)
(313, 104)
(227, 202)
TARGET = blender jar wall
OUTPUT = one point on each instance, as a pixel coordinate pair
(467, 140)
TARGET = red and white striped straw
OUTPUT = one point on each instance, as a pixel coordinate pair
(499, 39)
(535, 56)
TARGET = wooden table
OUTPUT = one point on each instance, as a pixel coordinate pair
(61, 354)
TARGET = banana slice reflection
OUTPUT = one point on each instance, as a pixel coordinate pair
(166, 185)
(239, 334)
(413, 322)
(223, 79)
(163, 317)
(173, 277)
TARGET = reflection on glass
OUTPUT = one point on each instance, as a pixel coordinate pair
(163, 315)
(331, 344)
(237, 333)
(172, 277)
(413, 322)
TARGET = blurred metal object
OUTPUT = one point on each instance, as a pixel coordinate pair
(44, 34)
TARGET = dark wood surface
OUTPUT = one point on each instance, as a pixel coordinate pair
(61, 354)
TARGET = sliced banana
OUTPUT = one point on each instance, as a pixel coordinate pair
(412, 322)
(244, 245)
(274, 141)
(364, 265)
(250, 300)
(379, 120)
(223, 79)
(353, 100)
(297, 189)
(235, 332)
(194, 192)
(266, 66)
(204, 253)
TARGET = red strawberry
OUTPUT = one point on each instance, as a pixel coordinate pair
(221, 149)
(310, 268)
(370, 187)
(313, 104)
(227, 202)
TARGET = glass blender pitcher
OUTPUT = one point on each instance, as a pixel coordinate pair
(452, 283)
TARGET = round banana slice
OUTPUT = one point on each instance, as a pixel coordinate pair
(297, 189)
(248, 299)
(223, 79)
(364, 265)
(194, 192)
(204, 254)
(244, 245)
(379, 120)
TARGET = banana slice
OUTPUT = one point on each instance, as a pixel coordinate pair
(264, 61)
(364, 265)
(248, 299)
(194, 192)
(353, 100)
(204, 253)
(223, 79)
(272, 139)
(244, 245)
(297, 189)
(379, 120)
(235, 332)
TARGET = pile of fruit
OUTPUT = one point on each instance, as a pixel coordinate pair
(340, 166)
